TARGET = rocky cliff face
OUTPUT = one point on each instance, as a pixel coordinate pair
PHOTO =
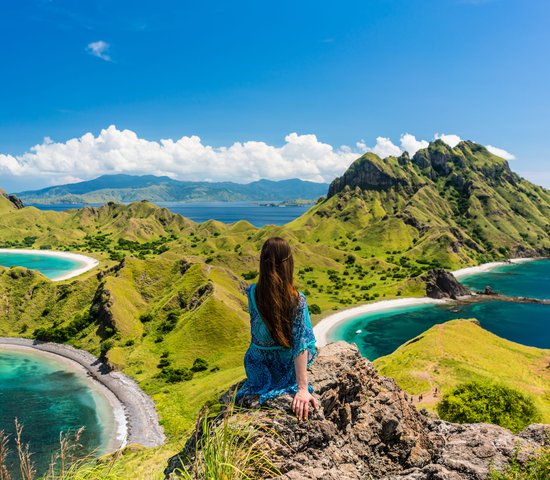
(443, 284)
(15, 201)
(367, 428)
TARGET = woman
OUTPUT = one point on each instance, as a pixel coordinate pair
(283, 344)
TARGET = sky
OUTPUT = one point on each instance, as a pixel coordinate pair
(241, 90)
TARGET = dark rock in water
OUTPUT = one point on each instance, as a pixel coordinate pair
(366, 427)
(443, 284)
(488, 290)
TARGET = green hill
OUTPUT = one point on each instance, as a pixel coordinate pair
(134, 188)
(460, 351)
(169, 290)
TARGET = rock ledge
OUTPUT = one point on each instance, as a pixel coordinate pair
(367, 428)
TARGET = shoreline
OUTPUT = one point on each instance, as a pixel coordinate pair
(326, 325)
(135, 415)
(87, 263)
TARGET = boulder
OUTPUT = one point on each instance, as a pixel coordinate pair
(443, 284)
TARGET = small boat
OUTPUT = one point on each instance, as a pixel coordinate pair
(358, 332)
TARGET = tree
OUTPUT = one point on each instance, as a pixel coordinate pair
(488, 402)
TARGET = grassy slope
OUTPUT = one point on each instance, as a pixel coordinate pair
(389, 253)
(459, 351)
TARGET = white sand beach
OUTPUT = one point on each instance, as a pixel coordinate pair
(87, 263)
(133, 412)
(326, 325)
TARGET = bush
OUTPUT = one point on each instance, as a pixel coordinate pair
(199, 365)
(250, 275)
(314, 309)
(175, 375)
(146, 317)
(492, 403)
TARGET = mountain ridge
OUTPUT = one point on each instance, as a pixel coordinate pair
(131, 188)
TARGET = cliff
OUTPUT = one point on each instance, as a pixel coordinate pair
(367, 427)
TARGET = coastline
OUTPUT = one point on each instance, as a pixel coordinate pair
(135, 416)
(87, 262)
(326, 325)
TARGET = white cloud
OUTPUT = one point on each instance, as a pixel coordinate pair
(122, 151)
(500, 152)
(410, 144)
(188, 158)
(450, 139)
(99, 49)
(385, 148)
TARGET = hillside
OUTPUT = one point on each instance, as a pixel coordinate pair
(448, 206)
(169, 290)
(133, 188)
(439, 359)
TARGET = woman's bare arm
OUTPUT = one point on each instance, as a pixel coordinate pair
(300, 405)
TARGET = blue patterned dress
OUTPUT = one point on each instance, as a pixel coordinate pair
(269, 366)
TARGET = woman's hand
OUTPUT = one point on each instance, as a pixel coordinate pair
(300, 405)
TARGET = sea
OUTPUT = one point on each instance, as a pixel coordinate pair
(380, 333)
(257, 213)
(48, 397)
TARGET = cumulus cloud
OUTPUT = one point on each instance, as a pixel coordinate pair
(410, 144)
(188, 158)
(500, 152)
(99, 49)
(450, 139)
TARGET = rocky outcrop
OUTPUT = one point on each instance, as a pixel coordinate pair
(443, 284)
(15, 201)
(367, 428)
(367, 173)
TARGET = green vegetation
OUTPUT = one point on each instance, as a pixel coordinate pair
(476, 402)
(167, 304)
(535, 468)
(438, 359)
(229, 449)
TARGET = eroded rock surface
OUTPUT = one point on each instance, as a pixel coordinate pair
(443, 284)
(367, 428)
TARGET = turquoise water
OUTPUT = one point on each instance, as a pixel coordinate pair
(529, 324)
(47, 398)
(529, 279)
(51, 266)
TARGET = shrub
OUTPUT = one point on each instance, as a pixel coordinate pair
(250, 275)
(314, 309)
(486, 402)
(146, 317)
(199, 365)
(175, 375)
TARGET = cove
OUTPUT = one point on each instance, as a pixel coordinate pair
(529, 324)
(53, 265)
(48, 396)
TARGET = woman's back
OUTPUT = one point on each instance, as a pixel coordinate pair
(270, 366)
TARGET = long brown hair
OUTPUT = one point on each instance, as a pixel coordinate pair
(275, 294)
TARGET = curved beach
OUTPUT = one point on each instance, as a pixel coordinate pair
(135, 416)
(87, 263)
(324, 327)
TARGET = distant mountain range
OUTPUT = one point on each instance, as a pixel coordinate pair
(133, 188)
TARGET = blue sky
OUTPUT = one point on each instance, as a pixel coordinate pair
(252, 71)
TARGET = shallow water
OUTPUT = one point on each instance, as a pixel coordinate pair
(47, 397)
(49, 265)
(528, 324)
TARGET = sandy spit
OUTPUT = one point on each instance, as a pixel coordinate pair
(135, 415)
(87, 262)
